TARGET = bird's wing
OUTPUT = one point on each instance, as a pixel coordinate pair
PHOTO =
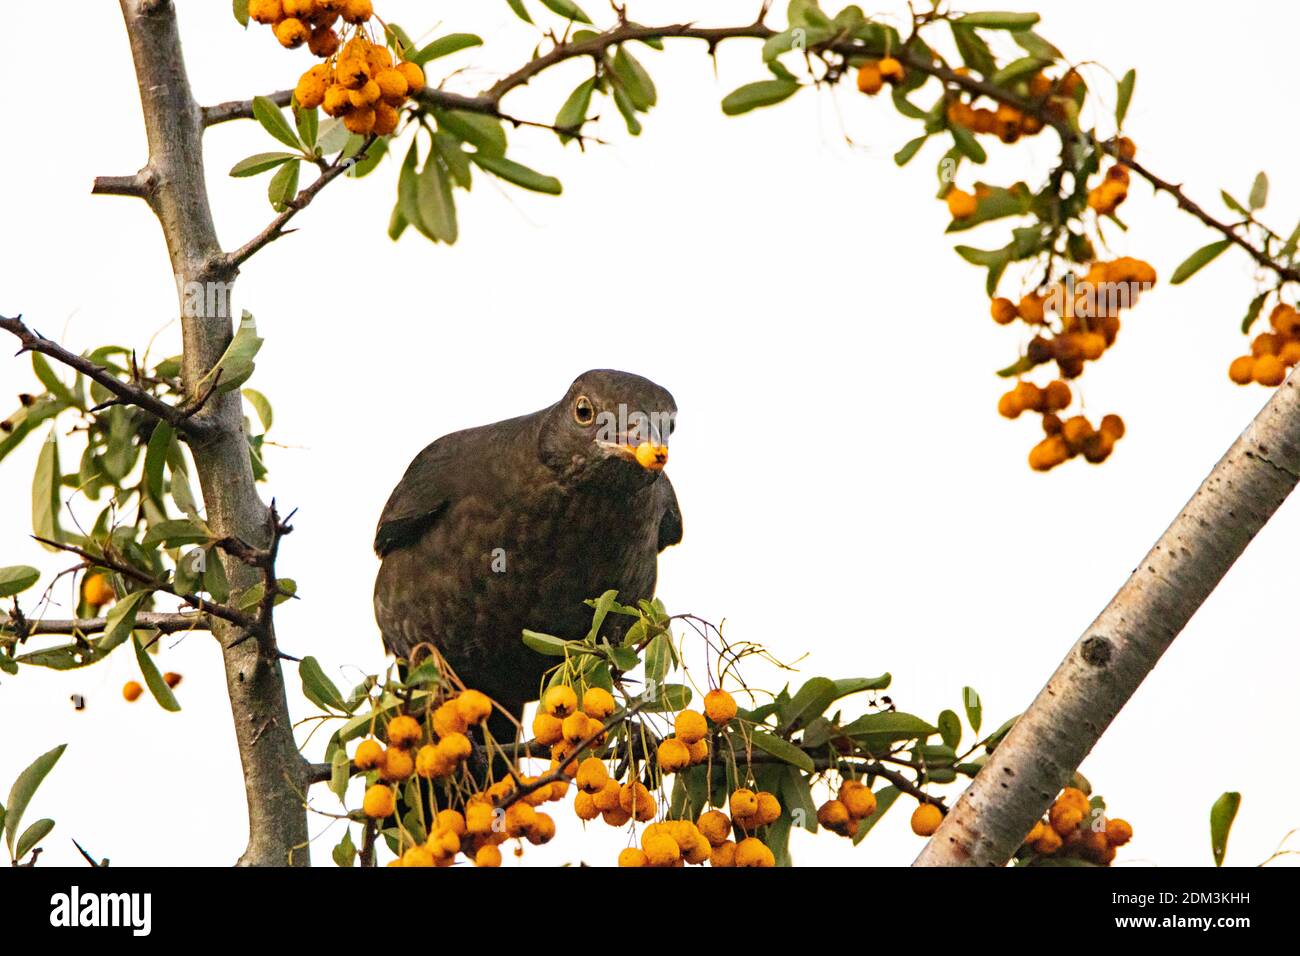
(424, 491)
(670, 525)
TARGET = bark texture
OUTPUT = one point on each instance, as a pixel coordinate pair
(1119, 649)
(172, 182)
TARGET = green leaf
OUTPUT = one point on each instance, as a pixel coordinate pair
(518, 7)
(892, 725)
(33, 835)
(567, 9)
(240, 9)
(261, 405)
(627, 111)
(273, 121)
(904, 155)
(484, 133)
(974, 709)
(17, 578)
(20, 794)
(975, 53)
(811, 701)
(51, 381)
(120, 621)
(175, 532)
(1252, 312)
(950, 728)
(783, 750)
(152, 679)
(45, 492)
(1259, 192)
(660, 658)
(966, 144)
(260, 163)
(1124, 96)
(1199, 260)
(635, 80)
(546, 644)
(436, 206)
(308, 123)
(155, 458)
(318, 688)
(574, 111)
(283, 186)
(345, 854)
(444, 46)
(991, 20)
(1014, 70)
(666, 697)
(1222, 814)
(518, 174)
(753, 95)
(236, 363)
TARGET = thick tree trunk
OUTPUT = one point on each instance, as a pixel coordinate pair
(173, 184)
(1122, 645)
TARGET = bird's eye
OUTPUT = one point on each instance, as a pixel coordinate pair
(584, 413)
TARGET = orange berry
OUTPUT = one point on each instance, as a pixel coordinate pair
(1003, 310)
(661, 849)
(961, 204)
(631, 856)
(769, 808)
(723, 855)
(1049, 453)
(370, 754)
(451, 820)
(414, 76)
(132, 690)
(1290, 353)
(857, 798)
(715, 826)
(1048, 843)
(1266, 343)
(744, 805)
(488, 856)
(404, 731)
(1269, 370)
(673, 755)
(753, 852)
(690, 726)
(171, 678)
(454, 748)
(397, 765)
(357, 11)
(870, 79)
(292, 33)
(1009, 405)
(98, 590)
(447, 719)
(574, 728)
(393, 86)
(323, 42)
(560, 701)
(379, 802)
(265, 11)
(547, 729)
(1242, 369)
(336, 102)
(474, 706)
(926, 819)
(592, 775)
(834, 816)
(543, 830)
(585, 806)
(1065, 817)
(1118, 832)
(891, 70)
(479, 818)
(598, 703)
(365, 95)
(699, 751)
(720, 706)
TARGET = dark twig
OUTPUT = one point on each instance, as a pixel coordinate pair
(127, 394)
(144, 620)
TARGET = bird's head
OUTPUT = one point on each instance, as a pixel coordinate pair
(610, 426)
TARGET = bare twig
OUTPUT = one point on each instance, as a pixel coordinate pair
(144, 620)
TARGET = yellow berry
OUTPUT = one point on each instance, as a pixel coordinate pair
(744, 805)
(926, 819)
(560, 701)
(291, 32)
(370, 753)
(720, 706)
(414, 76)
(690, 726)
(357, 11)
(487, 855)
(753, 852)
(265, 11)
(631, 856)
(404, 731)
(769, 808)
(474, 706)
(392, 85)
(598, 703)
(661, 850)
(97, 590)
(379, 802)
(397, 765)
(673, 755)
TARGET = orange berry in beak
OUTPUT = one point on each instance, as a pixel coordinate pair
(652, 456)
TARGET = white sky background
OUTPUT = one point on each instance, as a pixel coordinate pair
(765, 271)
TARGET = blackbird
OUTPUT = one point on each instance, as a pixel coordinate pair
(514, 525)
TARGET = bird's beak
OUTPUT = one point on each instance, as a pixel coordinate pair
(650, 455)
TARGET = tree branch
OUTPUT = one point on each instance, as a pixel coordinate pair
(1105, 667)
(273, 768)
(178, 417)
(145, 620)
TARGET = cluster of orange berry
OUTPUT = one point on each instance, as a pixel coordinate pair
(1074, 829)
(358, 81)
(853, 804)
(1106, 197)
(1086, 308)
(1271, 353)
(132, 690)
(673, 843)
(1008, 123)
(874, 74)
